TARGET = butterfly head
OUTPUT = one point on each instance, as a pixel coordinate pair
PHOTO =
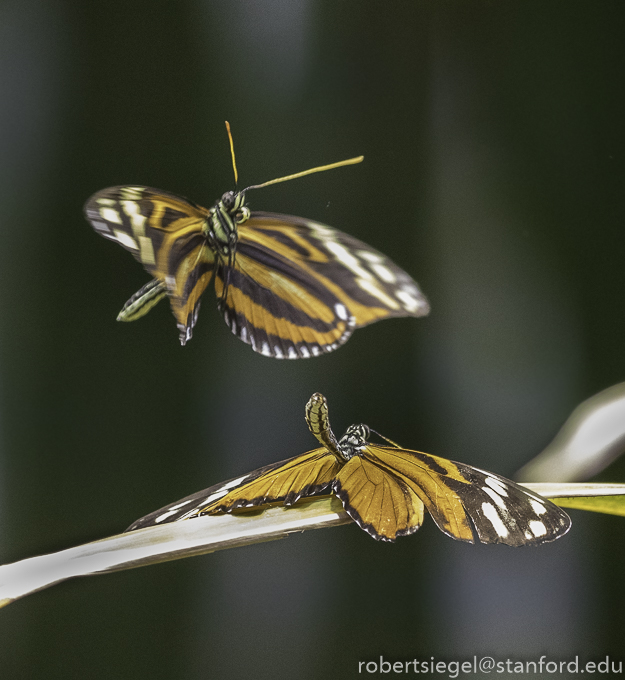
(233, 202)
(353, 441)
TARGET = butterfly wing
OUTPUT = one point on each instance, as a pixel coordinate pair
(165, 233)
(310, 474)
(379, 501)
(465, 502)
(298, 288)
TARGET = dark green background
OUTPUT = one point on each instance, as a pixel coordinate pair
(493, 135)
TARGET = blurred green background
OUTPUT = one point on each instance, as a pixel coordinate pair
(494, 173)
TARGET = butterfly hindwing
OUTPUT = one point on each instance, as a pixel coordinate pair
(298, 288)
(377, 500)
(165, 233)
(280, 310)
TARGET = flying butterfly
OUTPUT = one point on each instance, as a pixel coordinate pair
(385, 489)
(289, 287)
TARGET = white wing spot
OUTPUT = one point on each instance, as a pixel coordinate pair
(125, 240)
(370, 257)
(131, 208)
(495, 484)
(265, 351)
(164, 516)
(110, 215)
(244, 334)
(348, 259)
(495, 496)
(277, 352)
(537, 528)
(234, 482)
(105, 201)
(490, 512)
(322, 231)
(369, 286)
(209, 499)
(214, 497)
(304, 352)
(292, 354)
(131, 192)
(315, 350)
(384, 273)
(341, 311)
(410, 302)
(539, 508)
(179, 505)
(147, 250)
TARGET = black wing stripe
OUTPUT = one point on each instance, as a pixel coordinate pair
(358, 269)
(277, 306)
(500, 510)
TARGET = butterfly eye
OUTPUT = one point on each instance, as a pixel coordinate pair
(228, 200)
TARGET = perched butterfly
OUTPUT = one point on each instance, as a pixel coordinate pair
(385, 490)
(289, 287)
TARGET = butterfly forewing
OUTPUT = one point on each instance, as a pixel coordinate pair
(138, 218)
(298, 288)
(368, 283)
(310, 474)
(464, 500)
(165, 233)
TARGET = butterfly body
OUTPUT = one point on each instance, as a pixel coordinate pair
(289, 287)
(385, 490)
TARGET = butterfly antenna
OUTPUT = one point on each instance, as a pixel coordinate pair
(234, 162)
(386, 439)
(321, 168)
